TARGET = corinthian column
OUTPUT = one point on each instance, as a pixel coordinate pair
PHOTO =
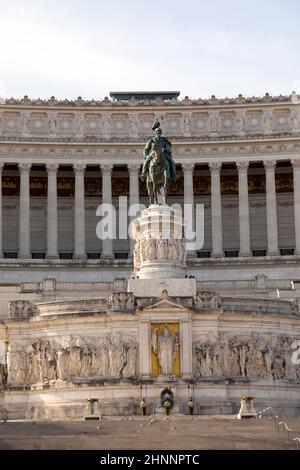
(296, 171)
(24, 214)
(79, 222)
(216, 210)
(107, 244)
(1, 228)
(133, 194)
(272, 228)
(188, 198)
(244, 224)
(52, 211)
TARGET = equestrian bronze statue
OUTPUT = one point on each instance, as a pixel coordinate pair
(159, 169)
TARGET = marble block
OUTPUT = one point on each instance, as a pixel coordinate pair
(155, 287)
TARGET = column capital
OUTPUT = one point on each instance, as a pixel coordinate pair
(52, 167)
(242, 166)
(215, 166)
(79, 167)
(270, 164)
(295, 163)
(24, 167)
(133, 167)
(187, 167)
(106, 168)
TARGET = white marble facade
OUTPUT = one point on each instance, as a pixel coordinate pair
(71, 329)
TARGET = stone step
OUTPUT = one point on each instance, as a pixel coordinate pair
(145, 433)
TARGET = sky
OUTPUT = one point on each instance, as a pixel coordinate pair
(87, 48)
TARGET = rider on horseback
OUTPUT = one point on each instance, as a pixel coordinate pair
(165, 145)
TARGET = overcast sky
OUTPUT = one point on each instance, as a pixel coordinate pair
(70, 48)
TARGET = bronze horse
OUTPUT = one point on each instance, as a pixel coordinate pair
(158, 176)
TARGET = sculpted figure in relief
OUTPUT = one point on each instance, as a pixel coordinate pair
(254, 357)
(150, 250)
(166, 347)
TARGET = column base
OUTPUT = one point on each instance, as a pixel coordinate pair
(80, 257)
(52, 256)
(107, 256)
(273, 253)
(192, 254)
(25, 256)
(217, 255)
(245, 254)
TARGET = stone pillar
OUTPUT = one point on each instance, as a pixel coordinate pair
(1, 228)
(24, 214)
(245, 249)
(79, 215)
(186, 341)
(296, 171)
(216, 210)
(52, 251)
(145, 349)
(133, 195)
(107, 245)
(188, 169)
(272, 228)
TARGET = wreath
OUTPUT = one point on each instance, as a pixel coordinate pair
(167, 398)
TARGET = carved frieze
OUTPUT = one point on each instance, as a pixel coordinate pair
(44, 360)
(249, 357)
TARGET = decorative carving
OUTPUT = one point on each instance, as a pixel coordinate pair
(79, 167)
(268, 122)
(270, 165)
(252, 357)
(106, 169)
(24, 167)
(215, 166)
(242, 166)
(240, 121)
(160, 249)
(121, 302)
(207, 300)
(295, 163)
(43, 361)
(166, 346)
(21, 309)
(52, 124)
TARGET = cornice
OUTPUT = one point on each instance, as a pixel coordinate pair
(106, 103)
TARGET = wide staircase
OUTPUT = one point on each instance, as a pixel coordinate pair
(161, 433)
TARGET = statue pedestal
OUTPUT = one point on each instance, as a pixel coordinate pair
(161, 410)
(160, 248)
(247, 409)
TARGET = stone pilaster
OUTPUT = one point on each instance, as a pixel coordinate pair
(24, 214)
(272, 227)
(186, 342)
(1, 228)
(133, 195)
(52, 251)
(145, 349)
(107, 245)
(79, 219)
(216, 210)
(244, 223)
(296, 171)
